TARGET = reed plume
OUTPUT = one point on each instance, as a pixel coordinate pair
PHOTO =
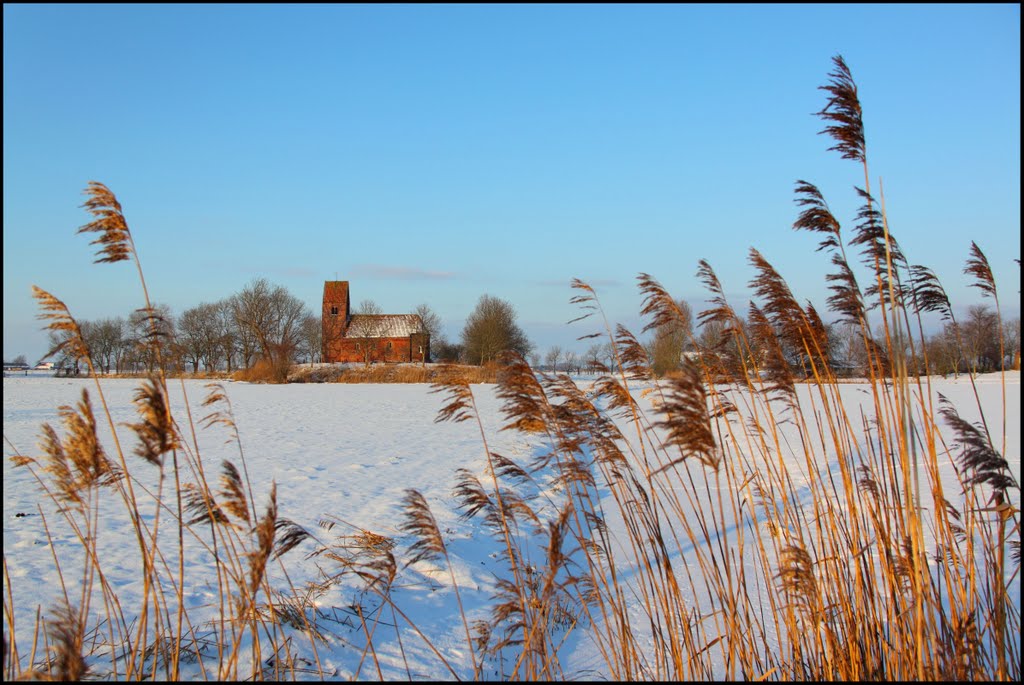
(796, 576)
(523, 400)
(929, 295)
(288, 535)
(978, 458)
(686, 420)
(844, 111)
(472, 498)
(201, 506)
(816, 216)
(722, 311)
(66, 630)
(586, 301)
(766, 345)
(878, 249)
(232, 492)
(636, 365)
(420, 523)
(784, 314)
(257, 558)
(156, 431)
(115, 240)
(78, 462)
(978, 267)
(62, 324)
(658, 304)
(58, 466)
(216, 396)
(458, 406)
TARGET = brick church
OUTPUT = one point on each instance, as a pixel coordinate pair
(369, 338)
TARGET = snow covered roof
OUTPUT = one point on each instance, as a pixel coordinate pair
(383, 325)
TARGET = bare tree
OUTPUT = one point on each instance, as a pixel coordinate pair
(846, 348)
(608, 354)
(431, 323)
(592, 358)
(446, 351)
(272, 317)
(311, 338)
(368, 307)
(1011, 342)
(230, 335)
(491, 329)
(106, 343)
(980, 331)
(572, 362)
(943, 350)
(433, 327)
(199, 334)
(552, 357)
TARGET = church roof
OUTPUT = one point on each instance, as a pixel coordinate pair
(383, 325)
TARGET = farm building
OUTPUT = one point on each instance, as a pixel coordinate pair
(369, 338)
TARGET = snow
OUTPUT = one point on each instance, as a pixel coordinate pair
(344, 453)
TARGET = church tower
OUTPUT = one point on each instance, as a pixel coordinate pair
(335, 317)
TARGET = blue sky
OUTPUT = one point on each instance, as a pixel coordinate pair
(431, 154)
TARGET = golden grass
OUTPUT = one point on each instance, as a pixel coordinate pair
(264, 371)
(388, 373)
(742, 553)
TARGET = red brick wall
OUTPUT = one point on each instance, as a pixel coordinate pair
(333, 325)
(357, 349)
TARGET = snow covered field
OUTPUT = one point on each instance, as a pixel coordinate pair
(345, 453)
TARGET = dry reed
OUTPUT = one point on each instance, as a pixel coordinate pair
(744, 523)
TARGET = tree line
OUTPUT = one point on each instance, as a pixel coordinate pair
(262, 322)
(266, 322)
(977, 343)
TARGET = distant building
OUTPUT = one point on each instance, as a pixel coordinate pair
(11, 367)
(369, 338)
